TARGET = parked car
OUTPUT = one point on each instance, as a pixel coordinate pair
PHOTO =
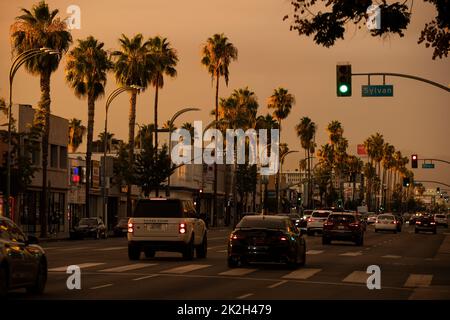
(315, 222)
(268, 238)
(23, 263)
(304, 219)
(343, 226)
(163, 224)
(387, 222)
(371, 219)
(121, 228)
(89, 228)
(426, 223)
(441, 219)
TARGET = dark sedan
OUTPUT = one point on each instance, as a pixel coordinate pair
(23, 263)
(266, 238)
(89, 228)
(426, 223)
(121, 228)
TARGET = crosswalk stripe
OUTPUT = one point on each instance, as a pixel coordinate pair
(81, 265)
(145, 277)
(110, 249)
(129, 267)
(186, 268)
(301, 273)
(418, 280)
(357, 277)
(237, 272)
(272, 286)
(103, 286)
(391, 256)
(312, 252)
(351, 254)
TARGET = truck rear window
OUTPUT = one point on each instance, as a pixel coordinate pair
(341, 218)
(262, 224)
(158, 209)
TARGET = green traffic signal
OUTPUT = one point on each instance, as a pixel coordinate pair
(344, 80)
(343, 88)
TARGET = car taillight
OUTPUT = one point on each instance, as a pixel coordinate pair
(130, 228)
(432, 222)
(282, 238)
(327, 223)
(355, 224)
(235, 236)
(182, 228)
(418, 222)
(394, 222)
(310, 220)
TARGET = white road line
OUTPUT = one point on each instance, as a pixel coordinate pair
(312, 252)
(215, 247)
(418, 280)
(389, 256)
(81, 265)
(276, 284)
(74, 249)
(100, 287)
(187, 268)
(237, 272)
(222, 251)
(357, 277)
(245, 296)
(351, 254)
(110, 248)
(129, 267)
(301, 273)
(146, 277)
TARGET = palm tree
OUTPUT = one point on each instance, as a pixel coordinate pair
(37, 28)
(164, 59)
(76, 133)
(86, 69)
(355, 166)
(190, 128)
(388, 162)
(145, 132)
(132, 67)
(306, 131)
(112, 144)
(281, 101)
(217, 54)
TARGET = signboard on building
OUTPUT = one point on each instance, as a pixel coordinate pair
(361, 150)
(95, 174)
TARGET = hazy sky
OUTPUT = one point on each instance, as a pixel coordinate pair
(415, 120)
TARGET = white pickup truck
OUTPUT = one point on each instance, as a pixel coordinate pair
(161, 224)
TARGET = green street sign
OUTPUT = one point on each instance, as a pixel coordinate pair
(427, 165)
(377, 91)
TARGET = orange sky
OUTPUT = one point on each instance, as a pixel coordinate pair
(415, 120)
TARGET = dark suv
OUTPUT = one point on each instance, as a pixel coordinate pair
(426, 223)
(343, 226)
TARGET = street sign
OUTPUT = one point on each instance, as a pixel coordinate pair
(427, 165)
(377, 91)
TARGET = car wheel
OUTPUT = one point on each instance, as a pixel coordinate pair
(3, 281)
(149, 253)
(41, 279)
(395, 231)
(233, 262)
(134, 252)
(309, 232)
(202, 249)
(188, 253)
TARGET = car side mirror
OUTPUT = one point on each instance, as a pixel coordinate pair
(32, 240)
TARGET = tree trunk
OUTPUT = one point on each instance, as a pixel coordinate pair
(131, 123)
(277, 182)
(215, 162)
(42, 117)
(156, 124)
(90, 137)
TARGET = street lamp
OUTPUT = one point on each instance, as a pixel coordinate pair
(110, 98)
(17, 63)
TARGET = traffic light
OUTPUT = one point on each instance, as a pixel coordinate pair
(344, 80)
(414, 161)
(406, 182)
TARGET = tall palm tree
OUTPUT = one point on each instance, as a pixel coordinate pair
(145, 132)
(355, 166)
(190, 128)
(76, 134)
(217, 54)
(37, 28)
(86, 70)
(281, 101)
(112, 144)
(132, 67)
(387, 162)
(164, 59)
(306, 131)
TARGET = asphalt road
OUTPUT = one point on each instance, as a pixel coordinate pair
(413, 266)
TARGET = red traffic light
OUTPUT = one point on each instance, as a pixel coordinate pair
(414, 161)
(414, 157)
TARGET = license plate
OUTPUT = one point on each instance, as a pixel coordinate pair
(154, 226)
(341, 227)
(426, 225)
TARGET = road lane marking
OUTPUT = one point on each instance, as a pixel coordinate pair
(313, 252)
(357, 277)
(129, 267)
(215, 247)
(302, 273)
(351, 254)
(222, 251)
(103, 286)
(110, 248)
(146, 277)
(418, 280)
(237, 272)
(245, 296)
(187, 268)
(73, 249)
(389, 256)
(81, 265)
(277, 284)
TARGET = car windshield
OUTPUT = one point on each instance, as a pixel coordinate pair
(320, 214)
(158, 209)
(341, 218)
(88, 222)
(263, 223)
(385, 217)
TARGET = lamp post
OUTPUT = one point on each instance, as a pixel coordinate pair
(278, 180)
(110, 98)
(17, 63)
